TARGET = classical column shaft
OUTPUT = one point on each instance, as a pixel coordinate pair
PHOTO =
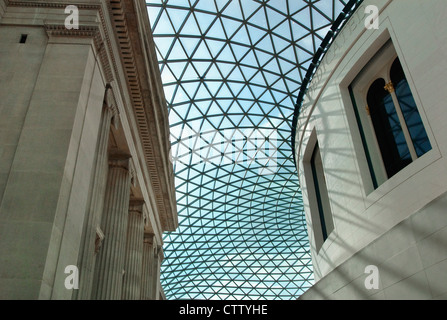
(93, 219)
(158, 257)
(110, 264)
(148, 270)
(134, 252)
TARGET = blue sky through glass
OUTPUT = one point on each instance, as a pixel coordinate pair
(232, 71)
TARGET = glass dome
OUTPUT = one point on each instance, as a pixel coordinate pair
(232, 71)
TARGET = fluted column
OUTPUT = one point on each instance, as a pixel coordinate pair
(158, 258)
(93, 217)
(134, 252)
(148, 270)
(110, 264)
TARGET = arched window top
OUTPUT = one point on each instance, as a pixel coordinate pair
(392, 131)
(376, 93)
(396, 72)
(389, 134)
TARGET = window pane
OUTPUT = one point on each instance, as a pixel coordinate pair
(390, 137)
(321, 193)
(408, 106)
(396, 129)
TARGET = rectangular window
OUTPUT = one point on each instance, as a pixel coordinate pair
(23, 38)
(324, 216)
(389, 123)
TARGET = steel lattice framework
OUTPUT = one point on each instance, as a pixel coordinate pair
(230, 65)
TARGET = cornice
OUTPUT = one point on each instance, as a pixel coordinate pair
(50, 4)
(149, 118)
(59, 30)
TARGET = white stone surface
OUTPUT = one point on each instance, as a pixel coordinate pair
(391, 226)
(52, 91)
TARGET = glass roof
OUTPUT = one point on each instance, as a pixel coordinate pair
(231, 71)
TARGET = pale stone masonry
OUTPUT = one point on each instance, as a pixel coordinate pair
(134, 252)
(85, 174)
(109, 270)
(389, 230)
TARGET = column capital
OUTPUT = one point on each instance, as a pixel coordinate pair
(389, 87)
(148, 238)
(120, 160)
(136, 205)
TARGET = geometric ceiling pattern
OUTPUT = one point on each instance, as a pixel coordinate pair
(231, 71)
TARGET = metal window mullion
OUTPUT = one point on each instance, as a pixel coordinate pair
(404, 127)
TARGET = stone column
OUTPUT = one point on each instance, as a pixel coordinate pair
(134, 252)
(90, 242)
(148, 270)
(109, 267)
(158, 258)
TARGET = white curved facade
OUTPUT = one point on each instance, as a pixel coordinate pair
(397, 222)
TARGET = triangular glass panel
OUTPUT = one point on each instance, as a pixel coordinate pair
(167, 76)
(224, 92)
(190, 74)
(259, 19)
(177, 52)
(216, 31)
(190, 88)
(234, 10)
(204, 20)
(153, 13)
(203, 92)
(164, 46)
(283, 30)
(202, 51)
(213, 73)
(236, 75)
(266, 45)
(258, 79)
(230, 26)
(201, 67)
(248, 72)
(177, 68)
(180, 96)
(164, 25)
(280, 5)
(178, 16)
(190, 28)
(239, 50)
(319, 20)
(280, 44)
(256, 35)
(249, 7)
(236, 85)
(274, 16)
(204, 5)
(215, 47)
(241, 37)
(226, 55)
(213, 87)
